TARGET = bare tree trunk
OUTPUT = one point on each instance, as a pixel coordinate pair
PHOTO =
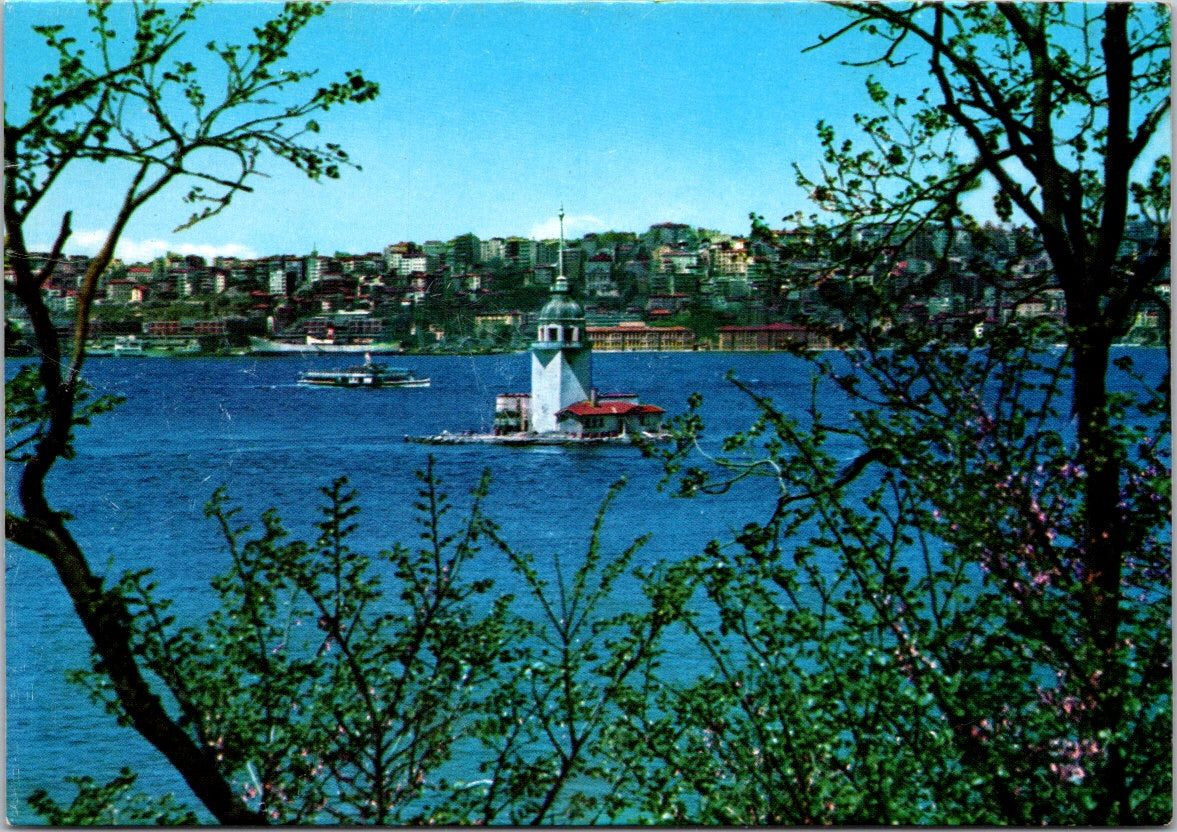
(103, 613)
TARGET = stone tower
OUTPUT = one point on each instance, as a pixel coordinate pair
(561, 355)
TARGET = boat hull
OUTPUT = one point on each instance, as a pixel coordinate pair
(362, 382)
(368, 375)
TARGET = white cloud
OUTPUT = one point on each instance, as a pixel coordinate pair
(573, 227)
(144, 251)
(87, 241)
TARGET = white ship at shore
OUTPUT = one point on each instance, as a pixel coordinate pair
(326, 346)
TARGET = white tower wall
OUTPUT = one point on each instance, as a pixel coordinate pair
(559, 378)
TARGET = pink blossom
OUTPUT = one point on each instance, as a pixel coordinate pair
(1069, 772)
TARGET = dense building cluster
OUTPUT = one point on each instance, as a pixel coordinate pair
(673, 287)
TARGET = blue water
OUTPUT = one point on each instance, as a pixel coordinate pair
(145, 471)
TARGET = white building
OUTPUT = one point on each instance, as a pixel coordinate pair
(410, 264)
(492, 249)
(276, 281)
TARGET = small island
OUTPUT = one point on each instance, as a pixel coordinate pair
(563, 407)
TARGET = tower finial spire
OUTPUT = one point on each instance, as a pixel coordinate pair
(560, 255)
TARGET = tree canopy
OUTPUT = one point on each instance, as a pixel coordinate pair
(133, 100)
(1036, 632)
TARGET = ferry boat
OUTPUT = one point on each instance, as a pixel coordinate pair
(367, 375)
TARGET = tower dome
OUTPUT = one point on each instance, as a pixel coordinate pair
(561, 308)
(561, 323)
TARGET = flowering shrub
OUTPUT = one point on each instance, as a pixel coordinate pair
(916, 636)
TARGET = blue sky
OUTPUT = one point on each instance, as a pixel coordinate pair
(493, 115)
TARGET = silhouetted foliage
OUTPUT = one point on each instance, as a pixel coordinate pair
(121, 107)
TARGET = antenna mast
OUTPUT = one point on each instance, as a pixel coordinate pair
(560, 255)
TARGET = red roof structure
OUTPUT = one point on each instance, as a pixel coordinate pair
(609, 408)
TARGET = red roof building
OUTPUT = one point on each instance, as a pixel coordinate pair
(635, 335)
(609, 417)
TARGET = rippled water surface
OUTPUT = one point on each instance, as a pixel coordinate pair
(144, 472)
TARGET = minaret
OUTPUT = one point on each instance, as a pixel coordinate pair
(561, 355)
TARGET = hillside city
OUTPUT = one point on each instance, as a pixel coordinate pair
(673, 287)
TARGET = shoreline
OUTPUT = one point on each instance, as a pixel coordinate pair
(245, 352)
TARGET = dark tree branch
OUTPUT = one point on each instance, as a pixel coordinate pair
(99, 101)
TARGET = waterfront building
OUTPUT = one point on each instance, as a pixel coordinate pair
(209, 328)
(161, 329)
(637, 335)
(774, 336)
(489, 323)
